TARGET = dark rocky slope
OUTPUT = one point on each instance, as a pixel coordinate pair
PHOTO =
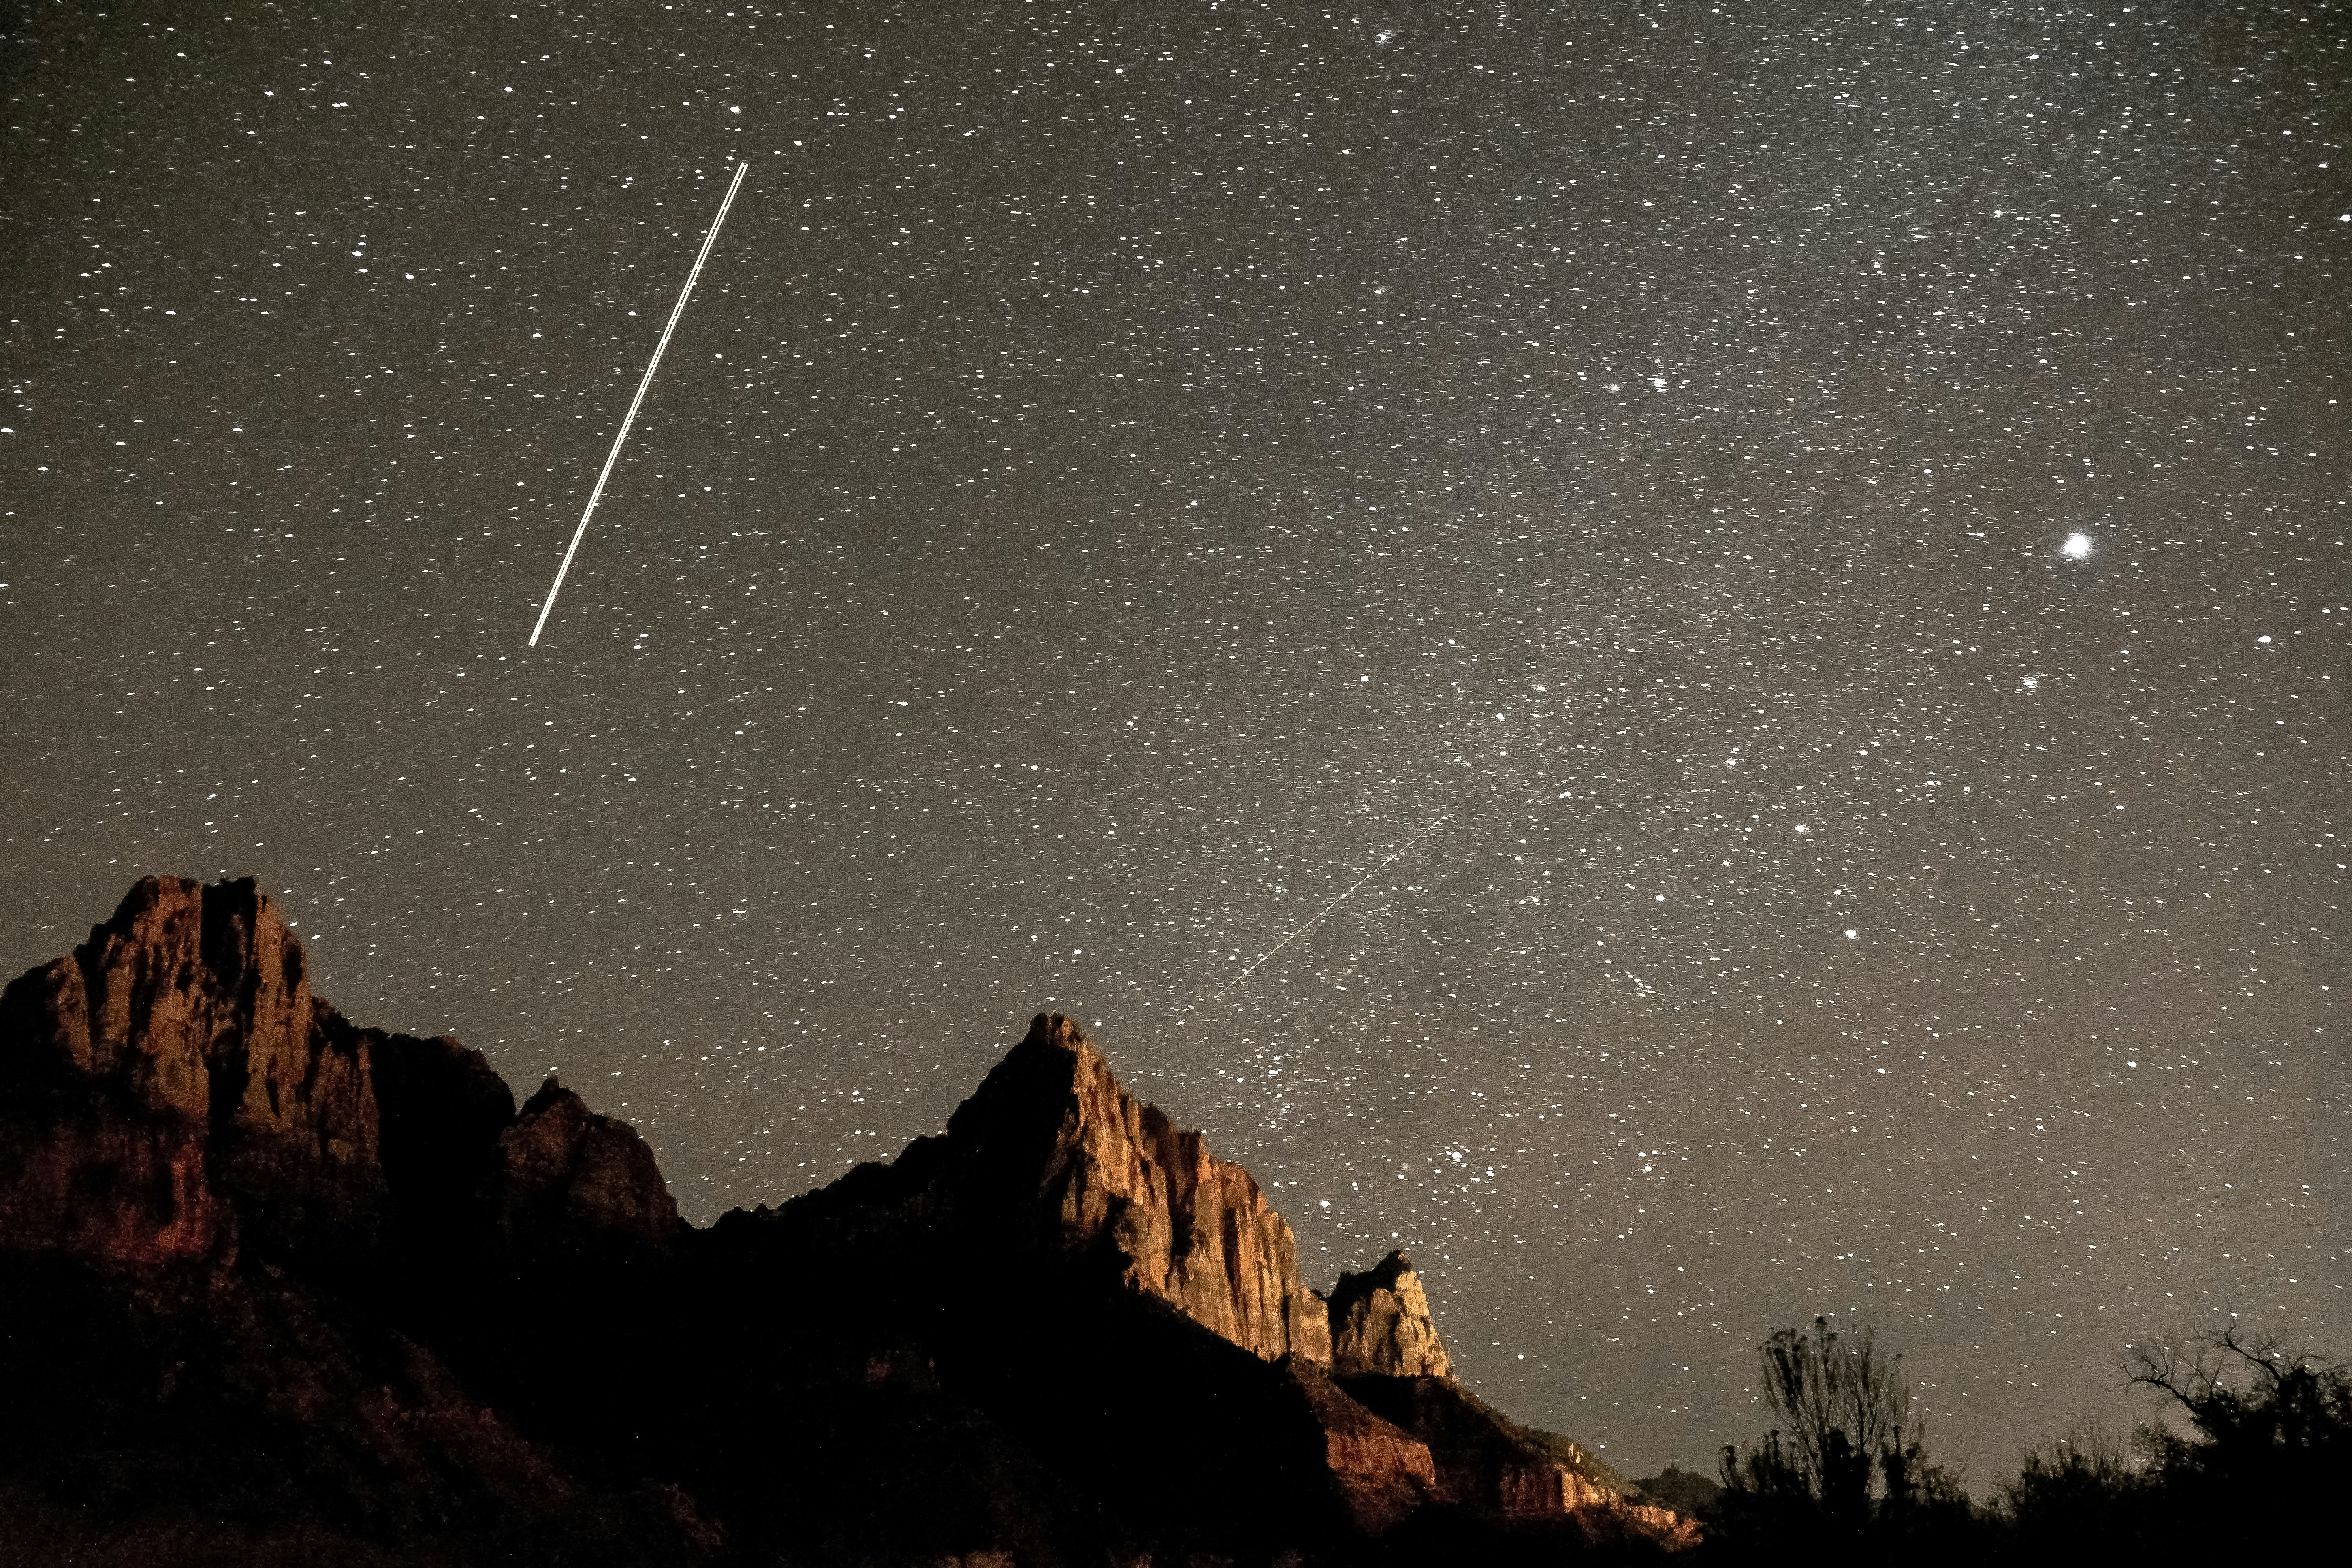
(273, 1286)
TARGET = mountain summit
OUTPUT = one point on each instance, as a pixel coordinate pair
(1379, 1324)
(284, 1285)
(1053, 1158)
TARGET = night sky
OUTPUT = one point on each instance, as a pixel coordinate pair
(1842, 515)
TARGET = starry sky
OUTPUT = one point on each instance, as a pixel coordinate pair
(1829, 521)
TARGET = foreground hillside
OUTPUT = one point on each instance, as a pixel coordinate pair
(277, 1288)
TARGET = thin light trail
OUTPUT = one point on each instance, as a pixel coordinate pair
(651, 365)
(1327, 909)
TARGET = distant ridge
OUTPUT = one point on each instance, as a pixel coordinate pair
(287, 1286)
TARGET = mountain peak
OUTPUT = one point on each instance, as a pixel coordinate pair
(1051, 1151)
(194, 1150)
(180, 1055)
(567, 1177)
(1380, 1323)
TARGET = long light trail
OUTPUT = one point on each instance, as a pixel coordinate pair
(1334, 904)
(651, 365)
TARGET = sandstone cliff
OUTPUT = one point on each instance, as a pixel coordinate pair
(1053, 1157)
(172, 1092)
(1050, 1154)
(231, 1224)
(297, 1276)
(565, 1173)
(1193, 1229)
(1687, 1492)
(173, 1087)
(1386, 1473)
(1381, 1324)
(1492, 1466)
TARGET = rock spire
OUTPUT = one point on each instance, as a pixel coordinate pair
(1381, 1324)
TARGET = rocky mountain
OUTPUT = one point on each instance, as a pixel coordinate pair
(1051, 1158)
(1381, 1324)
(274, 1285)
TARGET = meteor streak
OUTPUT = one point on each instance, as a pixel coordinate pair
(1334, 904)
(651, 365)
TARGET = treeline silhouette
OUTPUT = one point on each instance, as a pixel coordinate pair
(2248, 1450)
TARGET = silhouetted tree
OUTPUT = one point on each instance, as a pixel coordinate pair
(2260, 1417)
(2259, 1441)
(1844, 1464)
(2082, 1493)
(2267, 1434)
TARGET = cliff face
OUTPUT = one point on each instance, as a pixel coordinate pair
(219, 1202)
(1385, 1473)
(1191, 1229)
(1052, 1155)
(1381, 1324)
(1686, 1492)
(172, 1092)
(1493, 1468)
(310, 1277)
(173, 1087)
(564, 1172)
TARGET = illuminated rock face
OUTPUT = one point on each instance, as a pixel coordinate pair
(1051, 1151)
(172, 1092)
(173, 1087)
(1384, 1473)
(1381, 1324)
(1195, 1230)
(1051, 1159)
(232, 1218)
(251, 1255)
(1490, 1465)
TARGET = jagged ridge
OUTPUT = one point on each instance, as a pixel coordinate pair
(176, 1107)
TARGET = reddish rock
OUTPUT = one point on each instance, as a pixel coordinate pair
(1050, 1134)
(172, 1092)
(566, 1174)
(1686, 1492)
(1051, 1162)
(176, 1062)
(1381, 1324)
(1384, 1472)
(1386, 1351)
(1489, 1464)
(110, 1188)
